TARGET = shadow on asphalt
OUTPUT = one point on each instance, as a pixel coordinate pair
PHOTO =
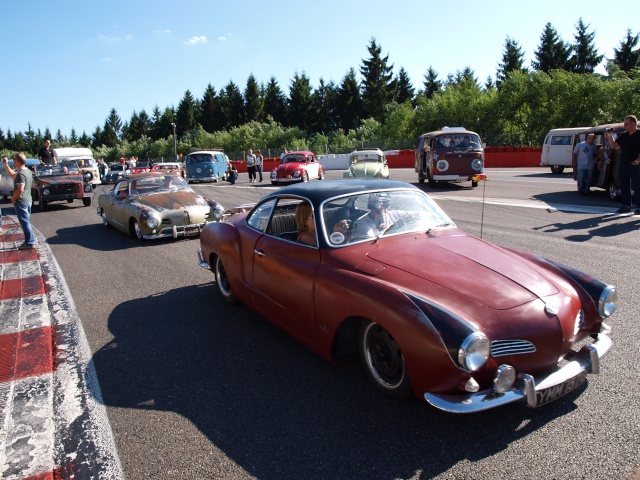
(274, 407)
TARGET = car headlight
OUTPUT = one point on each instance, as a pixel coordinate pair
(46, 191)
(474, 352)
(218, 213)
(87, 187)
(477, 164)
(153, 222)
(273, 174)
(608, 302)
(296, 173)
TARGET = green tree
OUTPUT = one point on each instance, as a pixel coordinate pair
(431, 83)
(275, 102)
(73, 137)
(209, 110)
(96, 138)
(348, 102)
(231, 106)
(323, 103)
(625, 57)
(187, 114)
(512, 59)
(552, 52)
(112, 129)
(300, 103)
(252, 101)
(585, 56)
(84, 140)
(404, 90)
(156, 117)
(377, 84)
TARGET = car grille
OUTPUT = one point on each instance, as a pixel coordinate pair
(62, 189)
(502, 348)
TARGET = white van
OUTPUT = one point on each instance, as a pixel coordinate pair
(558, 147)
(84, 157)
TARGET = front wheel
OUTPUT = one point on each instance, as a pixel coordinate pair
(432, 182)
(383, 361)
(134, 228)
(321, 176)
(557, 169)
(86, 201)
(44, 206)
(305, 177)
(224, 287)
(474, 183)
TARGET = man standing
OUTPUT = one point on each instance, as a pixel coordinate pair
(584, 157)
(251, 166)
(46, 155)
(629, 166)
(21, 196)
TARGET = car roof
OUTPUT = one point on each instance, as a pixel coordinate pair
(367, 150)
(319, 191)
(451, 131)
(617, 127)
(206, 151)
(299, 152)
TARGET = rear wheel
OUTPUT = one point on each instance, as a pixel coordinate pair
(69, 200)
(224, 287)
(557, 169)
(383, 361)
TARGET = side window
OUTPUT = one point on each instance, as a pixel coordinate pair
(122, 189)
(260, 215)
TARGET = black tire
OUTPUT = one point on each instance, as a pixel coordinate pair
(222, 282)
(70, 200)
(432, 182)
(134, 229)
(274, 183)
(305, 177)
(44, 206)
(383, 361)
(420, 179)
(474, 183)
(557, 169)
(86, 201)
(612, 191)
(321, 176)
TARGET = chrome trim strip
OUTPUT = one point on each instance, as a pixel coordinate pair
(587, 359)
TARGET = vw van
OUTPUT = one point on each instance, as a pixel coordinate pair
(84, 158)
(206, 166)
(558, 146)
(453, 154)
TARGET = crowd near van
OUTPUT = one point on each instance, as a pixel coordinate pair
(557, 148)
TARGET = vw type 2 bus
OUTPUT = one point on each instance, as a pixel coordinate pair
(557, 148)
(206, 166)
(453, 154)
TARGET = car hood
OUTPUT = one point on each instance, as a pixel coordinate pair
(172, 201)
(366, 169)
(58, 180)
(288, 168)
(473, 268)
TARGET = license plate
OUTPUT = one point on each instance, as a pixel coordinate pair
(552, 393)
(190, 232)
(87, 194)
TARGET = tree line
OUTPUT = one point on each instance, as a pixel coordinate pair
(384, 110)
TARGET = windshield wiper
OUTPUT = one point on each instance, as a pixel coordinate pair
(440, 225)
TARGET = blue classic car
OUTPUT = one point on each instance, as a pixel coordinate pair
(207, 166)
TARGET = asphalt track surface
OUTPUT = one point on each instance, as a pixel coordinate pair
(195, 388)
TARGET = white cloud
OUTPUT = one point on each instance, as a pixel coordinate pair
(128, 37)
(222, 38)
(107, 60)
(196, 39)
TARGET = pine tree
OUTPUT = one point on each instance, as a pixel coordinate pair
(2, 140)
(552, 53)
(585, 56)
(431, 83)
(625, 57)
(323, 101)
(512, 59)
(377, 84)
(231, 106)
(275, 102)
(404, 90)
(112, 129)
(300, 103)
(186, 115)
(73, 137)
(349, 102)
(252, 101)
(96, 138)
(84, 140)
(209, 114)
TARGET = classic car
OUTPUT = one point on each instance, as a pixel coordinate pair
(297, 167)
(453, 154)
(462, 323)
(206, 166)
(156, 205)
(167, 167)
(61, 182)
(367, 163)
(116, 172)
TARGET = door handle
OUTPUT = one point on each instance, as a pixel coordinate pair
(260, 253)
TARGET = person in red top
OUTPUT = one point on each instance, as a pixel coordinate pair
(629, 167)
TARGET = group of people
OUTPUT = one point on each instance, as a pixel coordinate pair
(628, 144)
(254, 166)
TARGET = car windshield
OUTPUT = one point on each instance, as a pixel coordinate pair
(458, 141)
(167, 166)
(57, 169)
(158, 184)
(378, 214)
(293, 158)
(199, 158)
(120, 167)
(362, 157)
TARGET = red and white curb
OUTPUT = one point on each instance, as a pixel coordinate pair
(53, 423)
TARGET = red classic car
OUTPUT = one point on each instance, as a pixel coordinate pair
(61, 182)
(141, 167)
(297, 167)
(462, 323)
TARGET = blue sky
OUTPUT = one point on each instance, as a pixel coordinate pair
(67, 63)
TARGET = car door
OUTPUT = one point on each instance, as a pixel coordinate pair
(313, 167)
(118, 199)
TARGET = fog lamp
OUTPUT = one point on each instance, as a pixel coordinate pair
(505, 376)
(471, 385)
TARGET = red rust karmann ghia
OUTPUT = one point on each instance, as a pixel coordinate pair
(465, 324)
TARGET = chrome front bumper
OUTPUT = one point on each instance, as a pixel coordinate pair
(528, 387)
(201, 261)
(177, 231)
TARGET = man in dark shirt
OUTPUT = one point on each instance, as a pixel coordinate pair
(46, 155)
(629, 167)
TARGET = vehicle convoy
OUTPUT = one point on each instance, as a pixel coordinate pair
(451, 318)
(558, 146)
(156, 205)
(62, 181)
(367, 163)
(453, 154)
(84, 158)
(206, 166)
(295, 167)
